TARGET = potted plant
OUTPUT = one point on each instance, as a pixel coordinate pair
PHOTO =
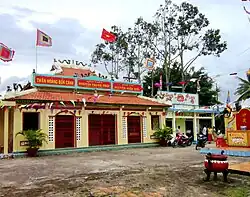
(35, 139)
(164, 135)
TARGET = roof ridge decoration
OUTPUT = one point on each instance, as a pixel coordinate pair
(12, 94)
(156, 100)
(67, 63)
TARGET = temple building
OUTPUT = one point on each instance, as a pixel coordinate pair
(186, 112)
(77, 107)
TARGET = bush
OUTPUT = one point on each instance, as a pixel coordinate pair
(164, 133)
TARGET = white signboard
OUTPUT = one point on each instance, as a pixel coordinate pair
(178, 98)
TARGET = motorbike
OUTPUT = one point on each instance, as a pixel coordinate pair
(182, 140)
(201, 141)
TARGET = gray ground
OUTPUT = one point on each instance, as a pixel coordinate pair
(132, 172)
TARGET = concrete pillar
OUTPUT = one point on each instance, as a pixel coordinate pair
(6, 131)
(195, 127)
(213, 120)
(174, 124)
(163, 119)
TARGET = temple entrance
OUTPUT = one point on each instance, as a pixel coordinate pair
(102, 129)
(64, 131)
(134, 129)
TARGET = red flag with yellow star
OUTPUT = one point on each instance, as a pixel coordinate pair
(107, 36)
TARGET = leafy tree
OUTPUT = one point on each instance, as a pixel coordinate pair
(128, 53)
(177, 30)
(207, 95)
(112, 54)
(139, 48)
(183, 29)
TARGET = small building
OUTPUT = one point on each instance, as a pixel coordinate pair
(77, 108)
(186, 112)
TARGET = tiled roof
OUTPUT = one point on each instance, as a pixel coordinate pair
(71, 71)
(90, 98)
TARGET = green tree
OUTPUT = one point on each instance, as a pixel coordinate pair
(207, 96)
(112, 55)
(243, 90)
(179, 30)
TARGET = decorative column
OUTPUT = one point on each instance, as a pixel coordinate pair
(195, 127)
(84, 128)
(6, 131)
(122, 133)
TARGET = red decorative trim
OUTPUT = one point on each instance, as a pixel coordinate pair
(99, 109)
(65, 111)
(67, 107)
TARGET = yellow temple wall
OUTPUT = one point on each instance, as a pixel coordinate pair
(84, 141)
(182, 123)
(1, 128)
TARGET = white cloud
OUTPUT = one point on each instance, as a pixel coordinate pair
(73, 40)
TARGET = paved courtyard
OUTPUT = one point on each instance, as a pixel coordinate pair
(132, 172)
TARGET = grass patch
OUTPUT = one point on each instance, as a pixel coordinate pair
(238, 192)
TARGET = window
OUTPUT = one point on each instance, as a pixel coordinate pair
(30, 121)
(155, 122)
(169, 122)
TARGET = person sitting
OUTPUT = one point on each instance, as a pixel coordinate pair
(178, 131)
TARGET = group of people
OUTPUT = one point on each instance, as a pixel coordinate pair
(209, 132)
(205, 131)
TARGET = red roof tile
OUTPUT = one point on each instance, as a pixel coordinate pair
(90, 98)
(72, 71)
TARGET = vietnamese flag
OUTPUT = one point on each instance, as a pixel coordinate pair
(107, 36)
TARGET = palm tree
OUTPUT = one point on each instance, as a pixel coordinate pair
(243, 91)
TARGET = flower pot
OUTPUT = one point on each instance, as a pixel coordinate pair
(216, 163)
(32, 152)
(163, 142)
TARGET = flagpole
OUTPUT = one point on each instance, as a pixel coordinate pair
(36, 58)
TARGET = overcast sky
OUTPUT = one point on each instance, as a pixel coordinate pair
(75, 27)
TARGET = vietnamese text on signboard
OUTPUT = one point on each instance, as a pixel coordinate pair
(71, 82)
(127, 87)
(56, 81)
(178, 98)
(94, 84)
(237, 139)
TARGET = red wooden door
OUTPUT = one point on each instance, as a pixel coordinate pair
(64, 131)
(108, 129)
(134, 129)
(101, 129)
(95, 126)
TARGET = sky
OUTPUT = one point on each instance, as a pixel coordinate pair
(76, 27)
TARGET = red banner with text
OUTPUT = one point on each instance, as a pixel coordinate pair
(56, 81)
(94, 84)
(127, 87)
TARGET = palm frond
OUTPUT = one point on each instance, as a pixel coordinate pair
(244, 81)
(34, 137)
(243, 89)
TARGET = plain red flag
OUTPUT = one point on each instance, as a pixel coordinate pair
(107, 36)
